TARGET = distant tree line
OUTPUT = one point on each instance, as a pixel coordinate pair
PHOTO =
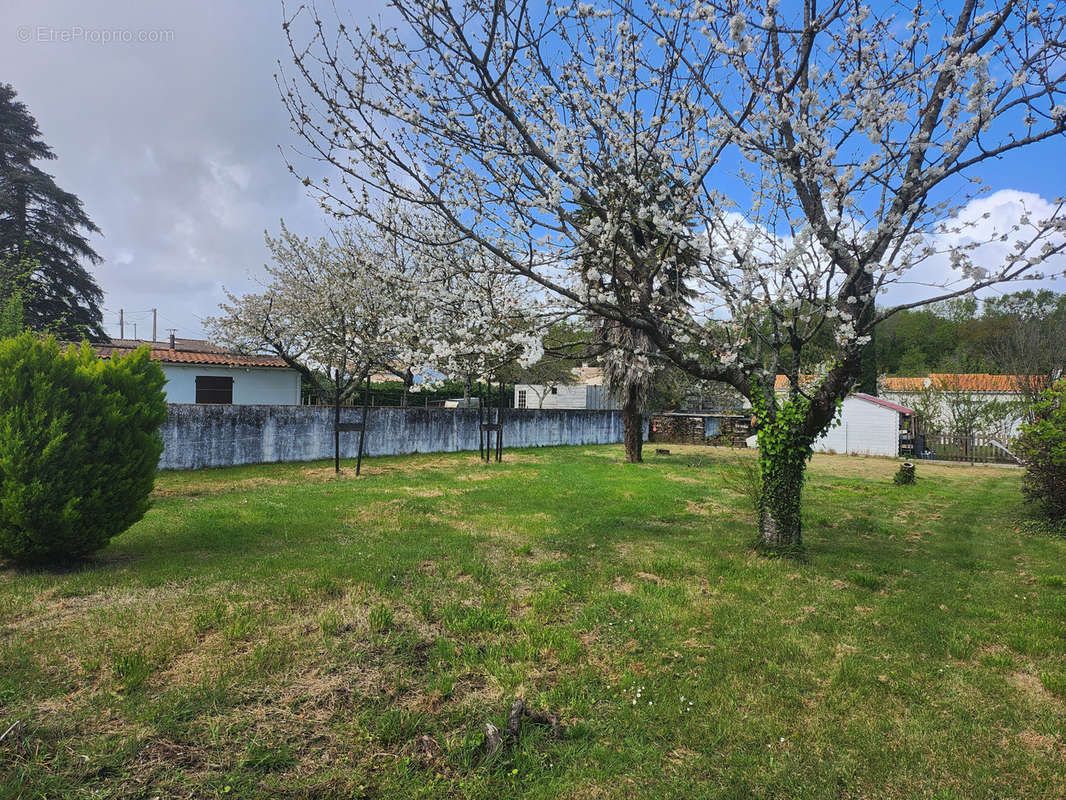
(1018, 333)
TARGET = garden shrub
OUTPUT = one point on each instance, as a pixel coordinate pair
(79, 446)
(1042, 446)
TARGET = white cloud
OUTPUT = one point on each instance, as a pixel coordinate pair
(983, 221)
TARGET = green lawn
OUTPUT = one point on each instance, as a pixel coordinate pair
(275, 632)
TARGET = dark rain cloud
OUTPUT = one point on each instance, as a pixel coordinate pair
(166, 121)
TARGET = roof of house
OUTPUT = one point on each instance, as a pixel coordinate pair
(903, 384)
(963, 382)
(188, 351)
(882, 402)
(588, 376)
(781, 382)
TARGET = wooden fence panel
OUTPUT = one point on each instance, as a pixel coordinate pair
(970, 449)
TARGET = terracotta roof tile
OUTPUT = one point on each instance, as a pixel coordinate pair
(781, 382)
(963, 382)
(981, 382)
(190, 351)
(588, 376)
(903, 384)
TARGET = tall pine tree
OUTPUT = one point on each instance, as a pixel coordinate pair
(44, 225)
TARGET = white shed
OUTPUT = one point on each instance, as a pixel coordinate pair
(866, 425)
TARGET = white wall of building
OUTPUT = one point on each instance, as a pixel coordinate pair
(1009, 421)
(865, 428)
(598, 398)
(251, 385)
(564, 396)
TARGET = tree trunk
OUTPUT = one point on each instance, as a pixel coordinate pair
(336, 431)
(781, 473)
(408, 382)
(632, 428)
(362, 427)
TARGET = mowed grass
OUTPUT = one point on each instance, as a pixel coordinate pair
(276, 632)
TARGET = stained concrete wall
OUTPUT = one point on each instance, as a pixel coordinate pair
(217, 436)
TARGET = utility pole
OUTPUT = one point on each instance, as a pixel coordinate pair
(154, 310)
(121, 325)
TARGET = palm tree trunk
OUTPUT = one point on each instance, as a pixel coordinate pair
(633, 426)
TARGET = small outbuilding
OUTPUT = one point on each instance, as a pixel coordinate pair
(200, 372)
(866, 426)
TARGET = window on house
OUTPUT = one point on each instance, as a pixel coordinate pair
(555, 390)
(521, 398)
(214, 389)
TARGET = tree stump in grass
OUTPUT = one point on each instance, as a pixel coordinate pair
(495, 739)
(905, 475)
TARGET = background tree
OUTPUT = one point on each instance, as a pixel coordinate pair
(12, 315)
(45, 225)
(338, 311)
(658, 279)
(468, 320)
(948, 407)
(330, 311)
(1016, 333)
(1030, 341)
(1043, 448)
(673, 389)
(814, 156)
(15, 283)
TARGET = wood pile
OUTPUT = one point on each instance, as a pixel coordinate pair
(721, 430)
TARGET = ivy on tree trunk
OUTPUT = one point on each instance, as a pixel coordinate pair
(785, 447)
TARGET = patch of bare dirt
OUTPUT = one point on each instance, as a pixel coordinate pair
(58, 612)
(623, 586)
(475, 477)
(1040, 743)
(423, 492)
(805, 613)
(166, 753)
(651, 577)
(709, 509)
(1031, 686)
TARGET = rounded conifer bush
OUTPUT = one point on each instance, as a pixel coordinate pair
(79, 446)
(1042, 447)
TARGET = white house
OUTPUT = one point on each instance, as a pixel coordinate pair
(199, 372)
(586, 390)
(995, 403)
(866, 426)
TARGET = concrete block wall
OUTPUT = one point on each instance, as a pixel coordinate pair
(197, 436)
